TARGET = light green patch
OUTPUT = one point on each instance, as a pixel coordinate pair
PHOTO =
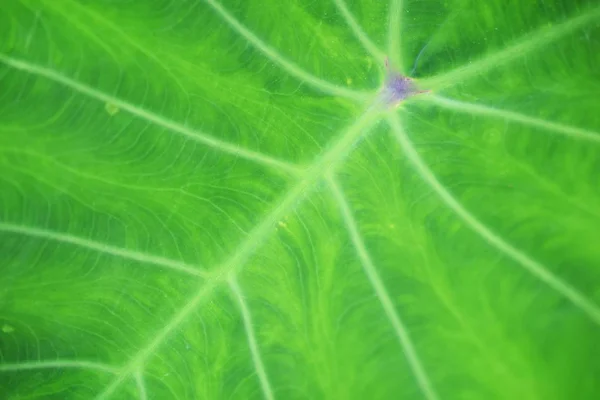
(111, 109)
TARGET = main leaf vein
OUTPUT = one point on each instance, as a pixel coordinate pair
(231, 267)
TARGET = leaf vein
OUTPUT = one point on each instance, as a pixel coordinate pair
(394, 32)
(530, 43)
(382, 293)
(74, 364)
(290, 67)
(141, 385)
(532, 266)
(103, 248)
(360, 34)
(479, 109)
(192, 134)
(249, 329)
(325, 163)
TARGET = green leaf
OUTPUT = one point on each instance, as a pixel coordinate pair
(227, 199)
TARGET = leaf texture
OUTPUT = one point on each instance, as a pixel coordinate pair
(215, 200)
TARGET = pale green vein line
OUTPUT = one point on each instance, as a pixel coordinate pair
(382, 294)
(68, 13)
(471, 108)
(142, 356)
(33, 365)
(293, 69)
(32, 31)
(535, 268)
(325, 163)
(248, 327)
(141, 385)
(531, 42)
(359, 32)
(148, 116)
(102, 248)
(394, 32)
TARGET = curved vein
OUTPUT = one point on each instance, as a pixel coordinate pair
(58, 364)
(68, 14)
(192, 134)
(531, 42)
(382, 294)
(479, 109)
(535, 268)
(327, 162)
(293, 69)
(394, 31)
(359, 32)
(102, 248)
(525, 168)
(249, 329)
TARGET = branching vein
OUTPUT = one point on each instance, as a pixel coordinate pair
(394, 32)
(531, 42)
(71, 364)
(327, 162)
(535, 268)
(141, 385)
(102, 248)
(382, 294)
(479, 109)
(290, 67)
(249, 328)
(192, 134)
(359, 32)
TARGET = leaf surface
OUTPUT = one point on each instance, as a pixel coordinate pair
(217, 200)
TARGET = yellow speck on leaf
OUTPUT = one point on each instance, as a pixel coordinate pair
(282, 224)
(348, 81)
(7, 328)
(110, 108)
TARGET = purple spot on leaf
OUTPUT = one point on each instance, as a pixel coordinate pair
(397, 88)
